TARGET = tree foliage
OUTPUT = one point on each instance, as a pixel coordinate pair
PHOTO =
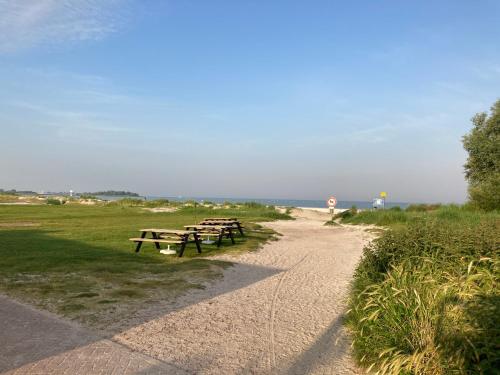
(482, 168)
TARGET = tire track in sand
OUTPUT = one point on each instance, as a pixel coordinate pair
(272, 312)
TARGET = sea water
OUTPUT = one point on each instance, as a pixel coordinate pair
(283, 202)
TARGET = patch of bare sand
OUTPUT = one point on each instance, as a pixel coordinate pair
(19, 224)
(161, 209)
(278, 310)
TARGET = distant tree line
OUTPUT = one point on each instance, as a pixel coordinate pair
(17, 192)
(121, 193)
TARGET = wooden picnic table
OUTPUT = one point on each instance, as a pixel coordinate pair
(224, 221)
(220, 231)
(168, 236)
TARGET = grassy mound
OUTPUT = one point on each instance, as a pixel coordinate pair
(425, 299)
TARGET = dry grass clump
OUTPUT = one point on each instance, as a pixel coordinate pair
(425, 299)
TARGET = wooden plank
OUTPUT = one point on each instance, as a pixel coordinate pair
(155, 240)
(172, 231)
(200, 226)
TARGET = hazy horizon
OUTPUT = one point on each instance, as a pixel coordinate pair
(282, 100)
(186, 197)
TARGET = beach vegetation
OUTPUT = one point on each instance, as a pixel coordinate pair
(422, 207)
(346, 214)
(127, 202)
(158, 203)
(342, 215)
(253, 205)
(425, 297)
(87, 196)
(8, 198)
(55, 201)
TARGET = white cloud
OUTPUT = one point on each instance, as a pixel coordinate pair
(27, 23)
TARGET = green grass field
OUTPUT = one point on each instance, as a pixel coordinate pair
(425, 297)
(76, 260)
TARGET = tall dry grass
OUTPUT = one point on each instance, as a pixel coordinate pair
(426, 299)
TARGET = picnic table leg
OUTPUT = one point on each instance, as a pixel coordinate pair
(139, 244)
(221, 234)
(231, 235)
(240, 228)
(157, 244)
(181, 251)
(197, 242)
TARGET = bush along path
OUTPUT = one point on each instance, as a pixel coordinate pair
(425, 299)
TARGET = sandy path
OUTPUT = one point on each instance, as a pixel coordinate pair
(278, 310)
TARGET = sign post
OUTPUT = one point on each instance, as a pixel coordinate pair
(383, 195)
(331, 202)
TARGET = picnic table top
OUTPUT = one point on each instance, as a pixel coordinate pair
(171, 231)
(200, 226)
(220, 222)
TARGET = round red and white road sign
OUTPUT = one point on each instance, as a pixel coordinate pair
(332, 202)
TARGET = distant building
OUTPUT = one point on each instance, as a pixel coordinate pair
(378, 203)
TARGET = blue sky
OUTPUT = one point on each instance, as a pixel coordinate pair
(278, 99)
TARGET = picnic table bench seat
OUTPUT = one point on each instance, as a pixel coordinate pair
(220, 231)
(162, 240)
(168, 236)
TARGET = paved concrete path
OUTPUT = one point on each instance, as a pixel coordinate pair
(35, 342)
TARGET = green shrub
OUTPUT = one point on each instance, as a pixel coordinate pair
(422, 207)
(429, 319)
(127, 202)
(253, 205)
(55, 202)
(343, 216)
(425, 297)
(395, 208)
(346, 214)
(157, 203)
(88, 196)
(486, 195)
(377, 217)
(229, 204)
